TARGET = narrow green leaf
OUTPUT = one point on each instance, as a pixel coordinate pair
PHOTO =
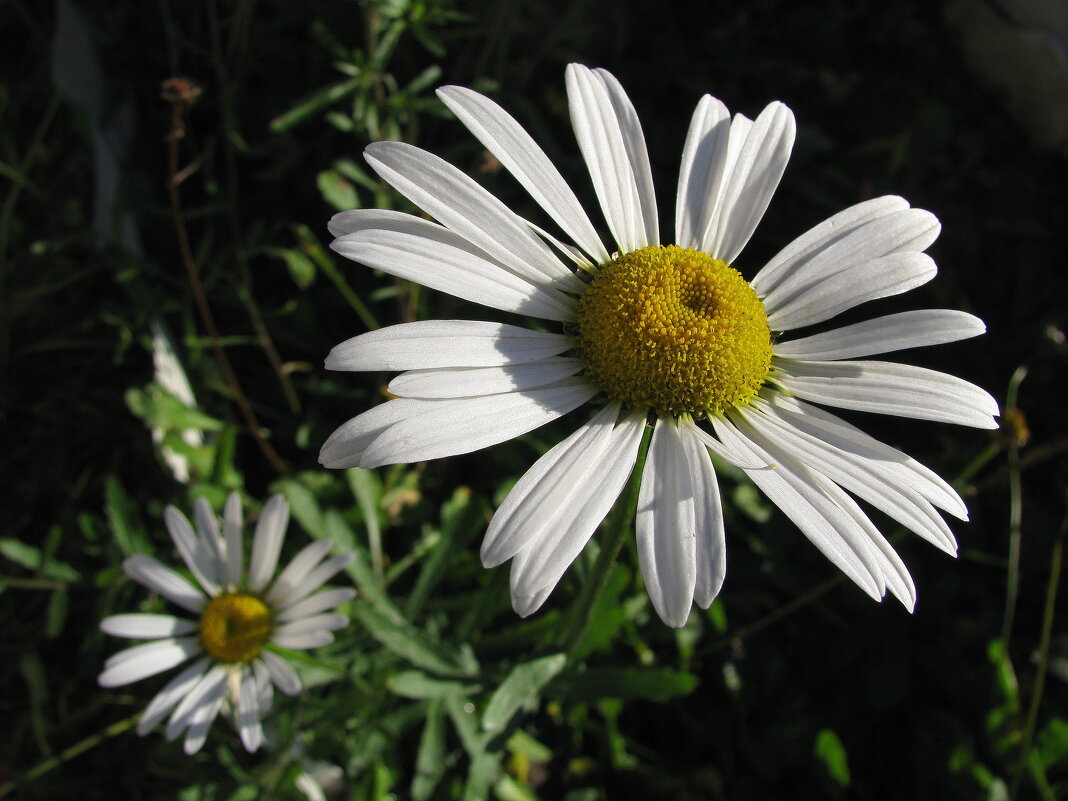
(655, 684)
(31, 558)
(337, 190)
(430, 760)
(417, 684)
(521, 689)
(407, 642)
(312, 103)
(829, 749)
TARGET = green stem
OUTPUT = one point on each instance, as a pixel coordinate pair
(68, 754)
(619, 526)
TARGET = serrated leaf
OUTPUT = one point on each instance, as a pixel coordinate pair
(521, 689)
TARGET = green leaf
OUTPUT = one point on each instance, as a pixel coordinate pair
(655, 684)
(521, 689)
(1051, 744)
(301, 269)
(160, 409)
(430, 762)
(303, 505)
(337, 190)
(417, 684)
(407, 642)
(312, 103)
(31, 558)
(829, 749)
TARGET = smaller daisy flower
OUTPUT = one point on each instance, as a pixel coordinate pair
(237, 617)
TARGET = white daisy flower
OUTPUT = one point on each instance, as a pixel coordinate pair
(670, 335)
(237, 616)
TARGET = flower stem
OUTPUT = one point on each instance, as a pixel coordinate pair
(619, 525)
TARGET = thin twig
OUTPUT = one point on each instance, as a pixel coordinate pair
(180, 92)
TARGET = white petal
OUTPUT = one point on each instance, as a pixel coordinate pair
(889, 388)
(450, 427)
(666, 526)
(795, 490)
(298, 569)
(320, 602)
(146, 626)
(579, 494)
(202, 698)
(314, 580)
(610, 138)
(210, 539)
(158, 578)
(521, 156)
(141, 661)
(526, 605)
(839, 434)
(200, 722)
(192, 551)
(751, 181)
(911, 329)
(461, 205)
(816, 240)
(445, 343)
(834, 292)
(466, 382)
(282, 673)
(346, 446)
(175, 690)
(232, 537)
(303, 640)
(439, 259)
(248, 711)
(732, 457)
(270, 531)
(862, 476)
(901, 231)
(711, 547)
(327, 622)
(704, 157)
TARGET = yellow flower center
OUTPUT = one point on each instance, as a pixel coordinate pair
(234, 626)
(675, 330)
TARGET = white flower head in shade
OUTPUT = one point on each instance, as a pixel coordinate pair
(667, 335)
(235, 617)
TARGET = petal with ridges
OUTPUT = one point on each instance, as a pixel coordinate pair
(346, 446)
(270, 531)
(142, 661)
(174, 691)
(704, 157)
(711, 547)
(316, 579)
(282, 674)
(193, 553)
(320, 602)
(298, 569)
(893, 332)
(451, 427)
(145, 627)
(445, 343)
(521, 156)
(210, 688)
(468, 382)
(248, 711)
(159, 578)
(232, 536)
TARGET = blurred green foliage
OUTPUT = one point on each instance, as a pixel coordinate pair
(793, 685)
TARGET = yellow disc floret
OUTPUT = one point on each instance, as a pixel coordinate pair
(234, 626)
(675, 330)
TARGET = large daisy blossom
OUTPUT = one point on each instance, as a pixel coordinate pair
(670, 336)
(237, 616)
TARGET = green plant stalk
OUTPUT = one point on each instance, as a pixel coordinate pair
(68, 754)
(1043, 655)
(619, 527)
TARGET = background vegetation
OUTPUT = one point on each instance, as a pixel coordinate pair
(794, 685)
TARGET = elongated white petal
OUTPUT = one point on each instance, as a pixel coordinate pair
(833, 293)
(303, 640)
(554, 540)
(463, 206)
(192, 551)
(795, 490)
(282, 673)
(270, 531)
(320, 602)
(521, 156)
(613, 147)
(327, 622)
(159, 578)
(889, 388)
(232, 538)
(346, 446)
(467, 382)
(902, 231)
(210, 539)
(704, 157)
(752, 180)
(441, 260)
(141, 661)
(146, 627)
(583, 490)
(298, 569)
(450, 427)
(823, 236)
(174, 691)
(248, 711)
(839, 434)
(666, 525)
(732, 457)
(527, 605)
(445, 343)
(314, 580)
(210, 688)
(863, 476)
(911, 329)
(200, 722)
(711, 547)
